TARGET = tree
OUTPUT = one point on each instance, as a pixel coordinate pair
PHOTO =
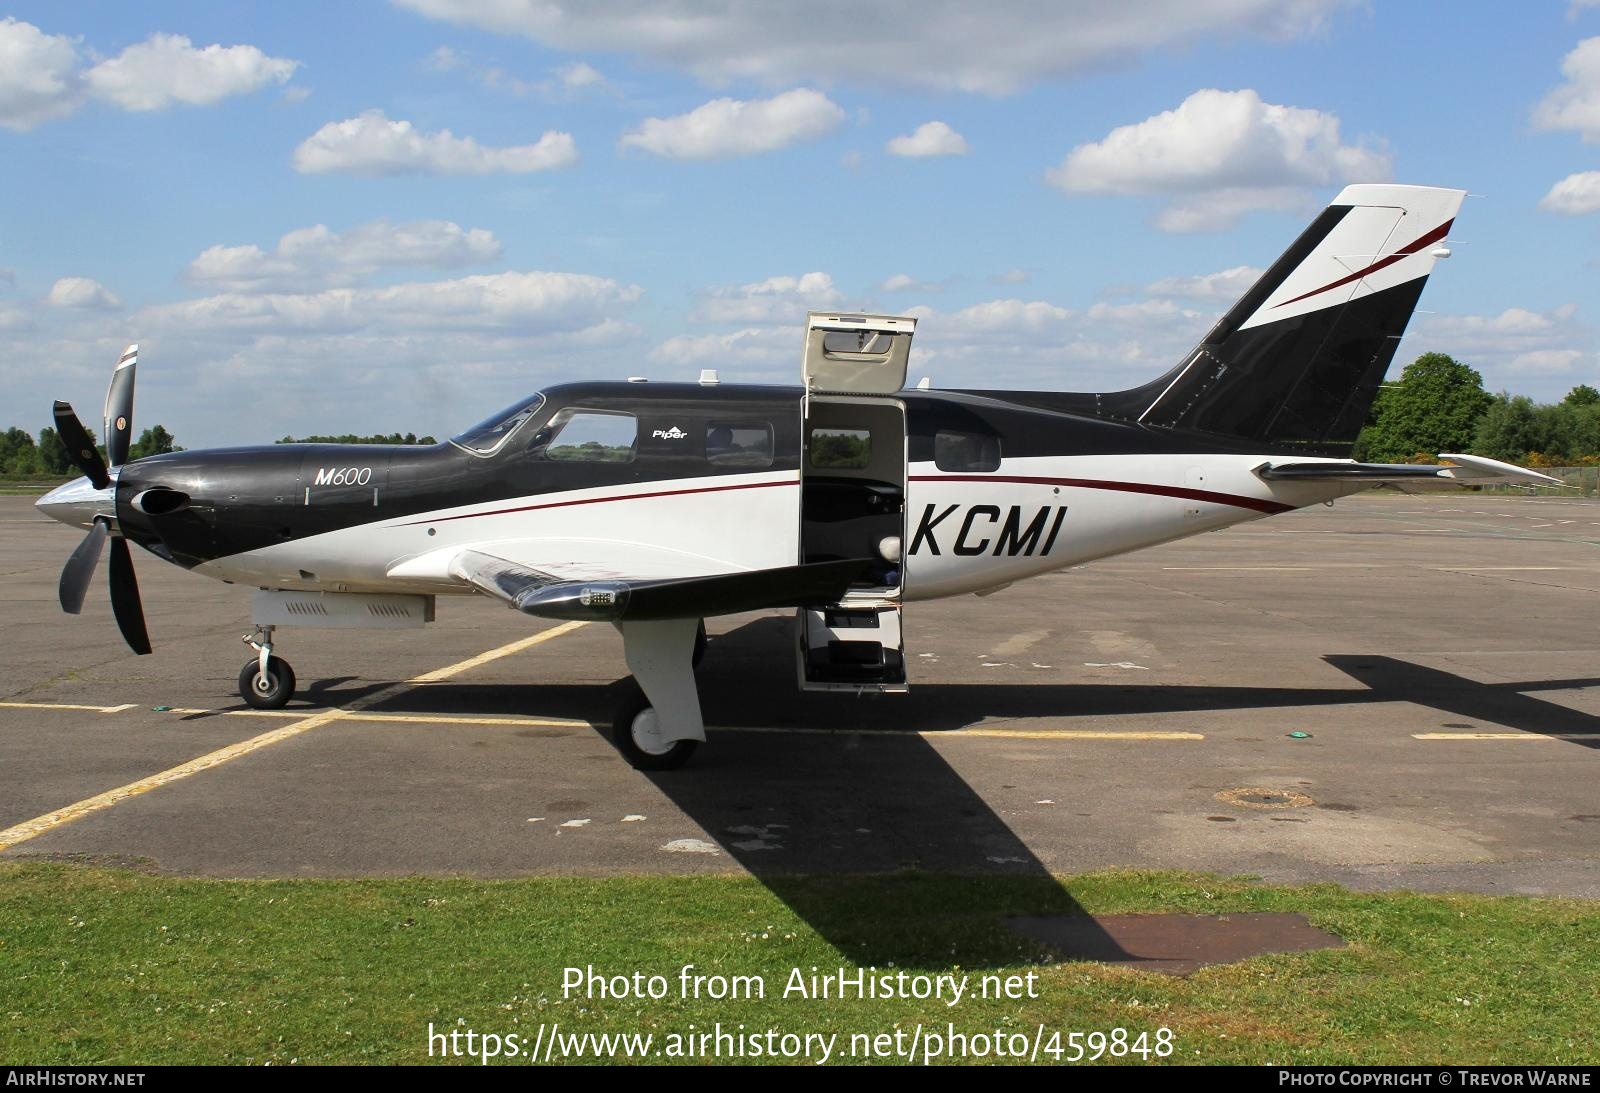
(1434, 408)
(15, 447)
(1581, 395)
(1510, 428)
(153, 441)
(53, 458)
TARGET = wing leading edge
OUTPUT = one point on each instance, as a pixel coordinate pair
(549, 595)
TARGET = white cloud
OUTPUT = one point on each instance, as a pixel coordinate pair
(724, 128)
(315, 256)
(777, 299)
(1574, 195)
(1011, 277)
(166, 69)
(933, 138)
(1218, 210)
(552, 301)
(578, 77)
(38, 77)
(1039, 345)
(904, 282)
(1546, 362)
(373, 145)
(1511, 348)
(760, 354)
(993, 49)
(566, 82)
(444, 59)
(997, 343)
(1224, 286)
(1575, 105)
(83, 294)
(1224, 153)
(1006, 316)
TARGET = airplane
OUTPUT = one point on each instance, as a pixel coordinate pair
(654, 506)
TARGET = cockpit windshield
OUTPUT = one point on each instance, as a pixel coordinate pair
(490, 434)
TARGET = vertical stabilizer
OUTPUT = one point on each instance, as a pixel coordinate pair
(1298, 360)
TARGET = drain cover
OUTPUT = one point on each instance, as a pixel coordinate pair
(1260, 798)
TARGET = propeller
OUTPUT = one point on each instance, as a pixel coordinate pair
(76, 574)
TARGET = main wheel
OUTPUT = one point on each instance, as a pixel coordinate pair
(637, 735)
(269, 692)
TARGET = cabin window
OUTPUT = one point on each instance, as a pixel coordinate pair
(841, 449)
(957, 450)
(590, 436)
(730, 444)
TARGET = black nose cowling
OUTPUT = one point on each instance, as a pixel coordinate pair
(144, 503)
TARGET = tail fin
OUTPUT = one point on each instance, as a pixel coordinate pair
(1297, 361)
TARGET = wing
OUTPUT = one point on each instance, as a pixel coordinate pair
(550, 593)
(1462, 470)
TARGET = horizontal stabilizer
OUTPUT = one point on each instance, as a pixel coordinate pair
(536, 592)
(1462, 470)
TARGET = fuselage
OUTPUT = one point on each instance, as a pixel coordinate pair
(979, 492)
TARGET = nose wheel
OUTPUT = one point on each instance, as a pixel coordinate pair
(265, 682)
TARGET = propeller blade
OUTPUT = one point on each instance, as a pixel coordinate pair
(119, 407)
(125, 602)
(80, 449)
(79, 569)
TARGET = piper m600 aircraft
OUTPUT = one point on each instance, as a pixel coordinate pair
(653, 506)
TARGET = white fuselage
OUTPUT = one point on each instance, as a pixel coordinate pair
(962, 532)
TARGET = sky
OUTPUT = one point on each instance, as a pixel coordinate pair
(377, 217)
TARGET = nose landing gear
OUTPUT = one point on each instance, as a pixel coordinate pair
(265, 682)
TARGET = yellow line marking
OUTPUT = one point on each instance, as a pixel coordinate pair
(495, 654)
(1504, 736)
(66, 706)
(1237, 568)
(1500, 568)
(957, 734)
(1071, 734)
(29, 829)
(448, 719)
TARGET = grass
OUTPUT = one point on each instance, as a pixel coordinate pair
(117, 966)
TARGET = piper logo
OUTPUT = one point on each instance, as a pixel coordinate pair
(673, 433)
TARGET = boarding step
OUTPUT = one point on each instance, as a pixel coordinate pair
(852, 648)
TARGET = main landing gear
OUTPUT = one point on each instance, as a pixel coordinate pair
(636, 731)
(265, 682)
(658, 726)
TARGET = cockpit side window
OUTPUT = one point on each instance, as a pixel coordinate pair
(592, 436)
(490, 435)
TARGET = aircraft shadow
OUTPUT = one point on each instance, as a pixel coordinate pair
(861, 827)
(746, 667)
